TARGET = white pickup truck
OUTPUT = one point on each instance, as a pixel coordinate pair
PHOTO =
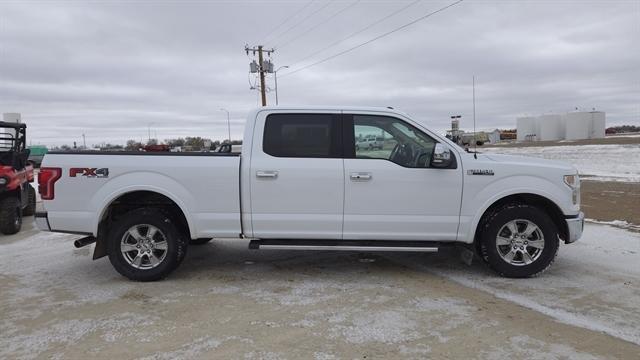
(301, 183)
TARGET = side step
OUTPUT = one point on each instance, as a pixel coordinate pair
(345, 245)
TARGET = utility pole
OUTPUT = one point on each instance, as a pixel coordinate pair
(261, 67)
(263, 89)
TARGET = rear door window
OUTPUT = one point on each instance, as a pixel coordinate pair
(302, 136)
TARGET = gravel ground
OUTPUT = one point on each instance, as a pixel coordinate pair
(611, 200)
(229, 302)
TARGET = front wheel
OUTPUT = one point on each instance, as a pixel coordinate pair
(145, 245)
(519, 241)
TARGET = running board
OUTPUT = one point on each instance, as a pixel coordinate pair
(345, 245)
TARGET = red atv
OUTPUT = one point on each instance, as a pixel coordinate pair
(17, 196)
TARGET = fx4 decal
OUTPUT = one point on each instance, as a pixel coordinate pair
(89, 172)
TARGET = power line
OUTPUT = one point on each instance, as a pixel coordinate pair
(355, 33)
(304, 19)
(287, 19)
(375, 38)
(318, 24)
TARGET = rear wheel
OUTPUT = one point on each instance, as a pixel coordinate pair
(31, 202)
(10, 215)
(144, 245)
(519, 241)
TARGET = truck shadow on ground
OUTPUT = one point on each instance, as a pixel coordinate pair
(233, 257)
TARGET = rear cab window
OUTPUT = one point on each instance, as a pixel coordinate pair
(303, 136)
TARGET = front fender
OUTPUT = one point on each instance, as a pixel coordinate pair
(476, 205)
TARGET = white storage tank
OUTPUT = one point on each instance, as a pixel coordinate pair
(578, 125)
(526, 128)
(598, 125)
(551, 127)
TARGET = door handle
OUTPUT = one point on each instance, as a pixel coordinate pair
(266, 174)
(361, 176)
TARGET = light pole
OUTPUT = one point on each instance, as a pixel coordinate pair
(275, 76)
(149, 130)
(228, 124)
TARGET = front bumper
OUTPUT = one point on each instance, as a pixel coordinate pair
(575, 225)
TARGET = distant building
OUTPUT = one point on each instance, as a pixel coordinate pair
(494, 136)
(574, 125)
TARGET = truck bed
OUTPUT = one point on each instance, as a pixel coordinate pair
(206, 186)
(143, 153)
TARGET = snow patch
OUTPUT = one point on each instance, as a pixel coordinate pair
(525, 347)
(187, 351)
(386, 327)
(597, 162)
(617, 223)
(592, 284)
(323, 356)
(71, 331)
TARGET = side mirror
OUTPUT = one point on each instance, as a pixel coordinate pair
(442, 157)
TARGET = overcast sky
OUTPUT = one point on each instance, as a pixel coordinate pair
(114, 69)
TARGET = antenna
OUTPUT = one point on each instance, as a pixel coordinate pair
(475, 141)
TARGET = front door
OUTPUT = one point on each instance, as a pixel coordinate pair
(391, 192)
(297, 176)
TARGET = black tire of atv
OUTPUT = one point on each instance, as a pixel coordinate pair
(176, 244)
(527, 212)
(201, 241)
(10, 215)
(31, 202)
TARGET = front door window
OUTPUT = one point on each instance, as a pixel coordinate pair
(382, 137)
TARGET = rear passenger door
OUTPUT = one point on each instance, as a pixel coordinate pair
(297, 176)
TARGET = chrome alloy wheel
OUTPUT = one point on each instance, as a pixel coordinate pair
(143, 246)
(520, 242)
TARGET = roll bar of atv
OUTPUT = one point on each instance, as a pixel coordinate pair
(12, 125)
(17, 142)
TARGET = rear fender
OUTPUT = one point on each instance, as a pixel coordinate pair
(162, 184)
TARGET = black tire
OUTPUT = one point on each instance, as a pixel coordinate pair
(541, 259)
(176, 245)
(10, 215)
(200, 241)
(31, 202)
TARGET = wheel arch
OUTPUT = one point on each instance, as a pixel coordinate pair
(122, 202)
(537, 200)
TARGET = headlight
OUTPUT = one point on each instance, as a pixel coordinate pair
(3, 181)
(571, 180)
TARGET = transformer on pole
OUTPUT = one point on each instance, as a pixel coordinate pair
(262, 66)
